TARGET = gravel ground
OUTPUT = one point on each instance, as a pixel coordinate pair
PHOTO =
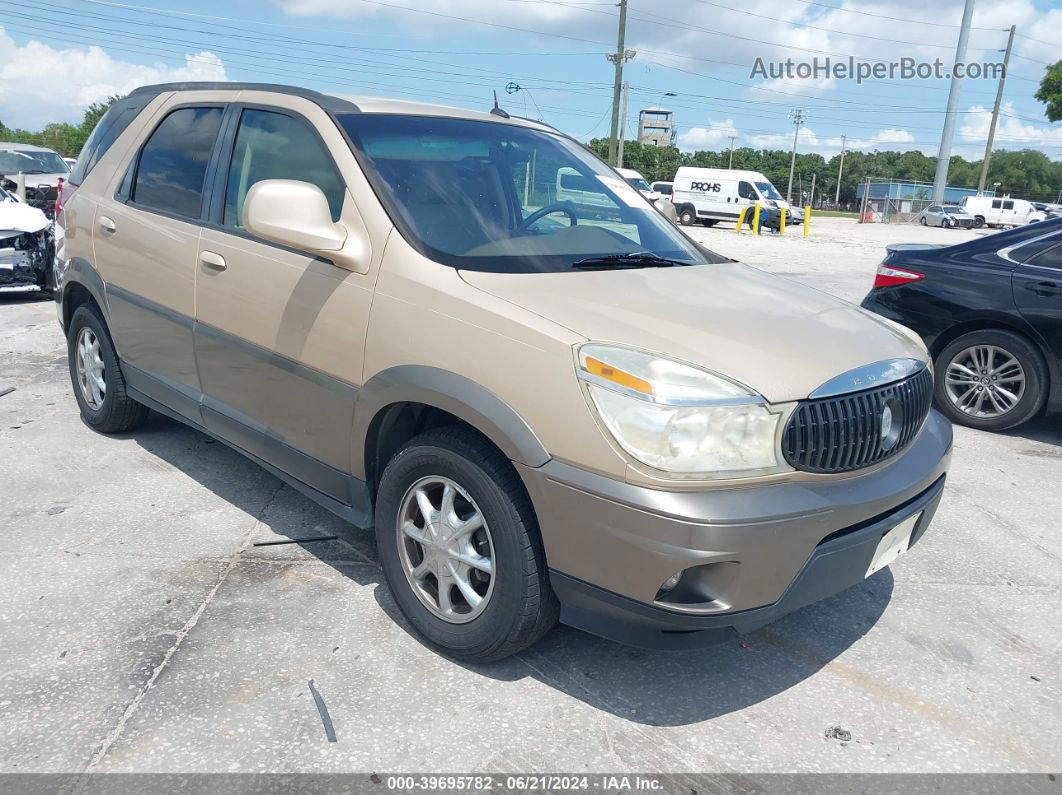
(141, 629)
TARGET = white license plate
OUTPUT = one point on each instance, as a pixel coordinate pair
(893, 544)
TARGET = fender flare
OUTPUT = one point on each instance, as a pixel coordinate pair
(80, 271)
(450, 392)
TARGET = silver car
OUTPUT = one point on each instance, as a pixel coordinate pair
(946, 215)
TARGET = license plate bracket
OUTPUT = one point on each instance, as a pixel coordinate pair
(893, 544)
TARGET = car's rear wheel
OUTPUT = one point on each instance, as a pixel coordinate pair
(460, 548)
(922, 220)
(991, 380)
(687, 217)
(99, 386)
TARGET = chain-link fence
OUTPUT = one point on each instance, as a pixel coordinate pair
(893, 201)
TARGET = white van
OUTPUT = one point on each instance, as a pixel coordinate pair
(639, 183)
(1000, 211)
(710, 195)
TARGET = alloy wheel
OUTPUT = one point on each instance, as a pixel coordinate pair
(984, 381)
(445, 549)
(91, 373)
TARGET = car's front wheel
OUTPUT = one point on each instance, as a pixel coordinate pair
(991, 380)
(99, 386)
(460, 548)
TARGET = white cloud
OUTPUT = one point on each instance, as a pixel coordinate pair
(41, 84)
(715, 137)
(1011, 133)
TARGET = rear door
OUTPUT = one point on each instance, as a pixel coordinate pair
(146, 240)
(1037, 286)
(280, 333)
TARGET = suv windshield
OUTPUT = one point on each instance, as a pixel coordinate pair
(491, 196)
(768, 191)
(638, 183)
(12, 161)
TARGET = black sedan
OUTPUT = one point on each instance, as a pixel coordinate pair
(990, 312)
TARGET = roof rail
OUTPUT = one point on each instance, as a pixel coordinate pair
(325, 101)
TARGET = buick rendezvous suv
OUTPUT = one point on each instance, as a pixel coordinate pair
(547, 410)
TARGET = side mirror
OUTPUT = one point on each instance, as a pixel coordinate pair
(296, 214)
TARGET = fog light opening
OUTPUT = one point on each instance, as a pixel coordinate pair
(671, 582)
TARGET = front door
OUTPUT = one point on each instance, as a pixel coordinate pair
(280, 333)
(146, 237)
(1037, 287)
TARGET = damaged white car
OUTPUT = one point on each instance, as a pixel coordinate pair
(26, 245)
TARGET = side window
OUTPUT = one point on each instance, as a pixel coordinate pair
(1008, 205)
(106, 132)
(933, 208)
(1026, 252)
(746, 191)
(173, 162)
(996, 204)
(1052, 258)
(276, 146)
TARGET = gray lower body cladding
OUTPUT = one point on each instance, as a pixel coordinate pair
(749, 555)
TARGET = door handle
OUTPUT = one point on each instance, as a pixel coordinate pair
(208, 259)
(1044, 289)
(107, 225)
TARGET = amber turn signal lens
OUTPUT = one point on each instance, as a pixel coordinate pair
(609, 373)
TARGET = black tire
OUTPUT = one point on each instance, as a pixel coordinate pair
(687, 216)
(922, 220)
(979, 221)
(118, 411)
(522, 606)
(1032, 363)
(709, 223)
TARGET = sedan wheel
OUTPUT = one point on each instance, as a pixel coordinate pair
(991, 379)
(985, 381)
(922, 221)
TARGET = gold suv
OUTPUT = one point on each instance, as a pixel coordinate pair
(548, 406)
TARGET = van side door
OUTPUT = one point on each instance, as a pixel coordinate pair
(280, 333)
(146, 237)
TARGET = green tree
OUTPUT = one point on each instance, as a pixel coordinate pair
(1050, 91)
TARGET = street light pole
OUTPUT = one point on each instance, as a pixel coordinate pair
(995, 115)
(840, 170)
(617, 58)
(940, 181)
(798, 115)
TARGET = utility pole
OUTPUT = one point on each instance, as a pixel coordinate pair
(940, 182)
(799, 116)
(623, 124)
(731, 137)
(840, 170)
(618, 58)
(811, 198)
(995, 115)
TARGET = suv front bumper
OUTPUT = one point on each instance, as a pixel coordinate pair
(757, 552)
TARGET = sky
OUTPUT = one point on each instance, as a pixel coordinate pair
(546, 59)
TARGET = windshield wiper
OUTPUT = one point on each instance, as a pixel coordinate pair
(633, 259)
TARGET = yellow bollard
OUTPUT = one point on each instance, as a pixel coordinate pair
(756, 219)
(807, 219)
(781, 221)
(741, 220)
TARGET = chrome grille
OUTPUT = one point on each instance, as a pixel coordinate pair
(844, 433)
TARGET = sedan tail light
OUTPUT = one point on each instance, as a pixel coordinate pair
(890, 276)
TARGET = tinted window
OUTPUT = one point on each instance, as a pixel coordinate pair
(1030, 250)
(933, 209)
(173, 162)
(108, 128)
(1052, 258)
(996, 204)
(1008, 205)
(275, 146)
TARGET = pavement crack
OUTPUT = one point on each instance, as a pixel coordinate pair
(178, 638)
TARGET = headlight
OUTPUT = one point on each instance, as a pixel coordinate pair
(679, 418)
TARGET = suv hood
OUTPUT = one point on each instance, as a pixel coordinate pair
(771, 334)
(17, 218)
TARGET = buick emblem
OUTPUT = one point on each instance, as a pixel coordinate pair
(886, 422)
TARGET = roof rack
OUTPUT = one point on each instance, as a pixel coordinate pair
(325, 101)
